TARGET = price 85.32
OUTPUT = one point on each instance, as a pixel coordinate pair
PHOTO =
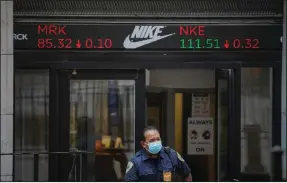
(68, 43)
(54, 43)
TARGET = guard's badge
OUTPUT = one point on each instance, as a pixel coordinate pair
(129, 166)
(166, 176)
(179, 157)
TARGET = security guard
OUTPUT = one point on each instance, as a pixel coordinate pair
(156, 163)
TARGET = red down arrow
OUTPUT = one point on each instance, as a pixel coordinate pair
(78, 45)
(226, 45)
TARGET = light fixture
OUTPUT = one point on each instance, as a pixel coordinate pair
(74, 72)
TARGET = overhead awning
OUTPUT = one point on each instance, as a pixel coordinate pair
(148, 8)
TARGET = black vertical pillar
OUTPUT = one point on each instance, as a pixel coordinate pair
(140, 108)
(284, 59)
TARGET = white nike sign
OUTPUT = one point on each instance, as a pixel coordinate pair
(146, 34)
(128, 44)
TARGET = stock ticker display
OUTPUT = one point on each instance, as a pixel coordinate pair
(148, 37)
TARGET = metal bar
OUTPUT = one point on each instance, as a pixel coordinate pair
(75, 172)
(277, 164)
(81, 166)
(283, 92)
(33, 153)
(32, 115)
(46, 107)
(36, 167)
(19, 115)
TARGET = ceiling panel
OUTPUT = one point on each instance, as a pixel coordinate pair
(148, 8)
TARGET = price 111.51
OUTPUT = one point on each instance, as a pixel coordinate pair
(199, 44)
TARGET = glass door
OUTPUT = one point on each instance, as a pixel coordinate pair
(228, 124)
(97, 123)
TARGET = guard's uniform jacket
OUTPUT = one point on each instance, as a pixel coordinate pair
(143, 168)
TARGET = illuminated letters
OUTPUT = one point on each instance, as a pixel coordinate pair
(146, 31)
(20, 37)
(52, 29)
(192, 30)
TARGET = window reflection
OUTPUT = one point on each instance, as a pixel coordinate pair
(31, 122)
(256, 120)
(102, 121)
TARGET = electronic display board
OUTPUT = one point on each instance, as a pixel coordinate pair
(189, 37)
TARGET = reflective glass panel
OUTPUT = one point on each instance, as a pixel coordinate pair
(31, 122)
(256, 120)
(102, 122)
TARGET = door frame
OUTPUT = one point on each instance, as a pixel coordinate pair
(233, 78)
(162, 104)
(60, 112)
(235, 171)
(233, 112)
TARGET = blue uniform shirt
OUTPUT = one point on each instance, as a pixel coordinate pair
(143, 168)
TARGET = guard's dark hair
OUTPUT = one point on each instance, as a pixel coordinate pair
(149, 128)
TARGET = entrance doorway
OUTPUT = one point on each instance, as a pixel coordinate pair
(100, 115)
(199, 118)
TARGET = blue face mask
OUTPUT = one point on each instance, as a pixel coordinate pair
(154, 147)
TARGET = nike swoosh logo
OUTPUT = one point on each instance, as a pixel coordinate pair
(128, 44)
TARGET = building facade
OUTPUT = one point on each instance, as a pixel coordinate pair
(76, 78)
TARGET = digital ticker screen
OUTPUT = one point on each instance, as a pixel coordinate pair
(148, 37)
(201, 41)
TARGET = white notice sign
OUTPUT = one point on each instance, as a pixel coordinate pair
(200, 105)
(200, 136)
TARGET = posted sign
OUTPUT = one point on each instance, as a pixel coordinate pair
(200, 136)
